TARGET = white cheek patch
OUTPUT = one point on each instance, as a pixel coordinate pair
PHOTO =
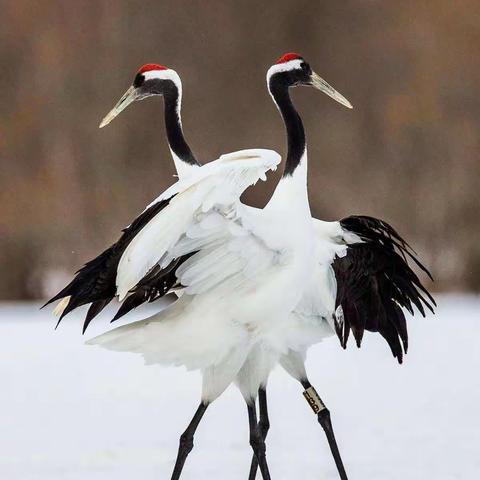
(284, 67)
(167, 74)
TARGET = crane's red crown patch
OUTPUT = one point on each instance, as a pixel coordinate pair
(148, 67)
(289, 56)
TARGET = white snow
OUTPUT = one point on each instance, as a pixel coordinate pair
(71, 412)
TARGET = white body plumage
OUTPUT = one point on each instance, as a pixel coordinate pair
(246, 278)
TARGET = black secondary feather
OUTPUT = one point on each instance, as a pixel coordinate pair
(95, 282)
(94, 310)
(154, 285)
(373, 281)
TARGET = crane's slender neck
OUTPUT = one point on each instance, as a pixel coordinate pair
(183, 156)
(292, 189)
(293, 123)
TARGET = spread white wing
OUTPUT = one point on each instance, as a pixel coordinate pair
(205, 218)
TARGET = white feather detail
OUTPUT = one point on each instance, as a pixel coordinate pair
(313, 315)
(184, 335)
(62, 305)
(204, 207)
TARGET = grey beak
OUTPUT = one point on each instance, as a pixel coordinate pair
(128, 97)
(323, 86)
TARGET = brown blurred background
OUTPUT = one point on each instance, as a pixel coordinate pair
(408, 152)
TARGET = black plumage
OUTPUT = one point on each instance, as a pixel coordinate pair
(95, 282)
(154, 285)
(374, 281)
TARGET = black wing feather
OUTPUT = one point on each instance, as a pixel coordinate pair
(154, 285)
(374, 281)
(95, 282)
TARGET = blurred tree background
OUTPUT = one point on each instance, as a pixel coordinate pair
(408, 152)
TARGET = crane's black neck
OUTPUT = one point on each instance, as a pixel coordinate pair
(278, 87)
(173, 124)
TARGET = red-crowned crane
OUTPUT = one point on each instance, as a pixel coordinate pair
(233, 261)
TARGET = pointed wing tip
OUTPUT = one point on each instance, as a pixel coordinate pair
(48, 302)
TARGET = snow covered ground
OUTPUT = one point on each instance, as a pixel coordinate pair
(74, 412)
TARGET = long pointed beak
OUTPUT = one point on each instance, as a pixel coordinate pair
(128, 97)
(322, 85)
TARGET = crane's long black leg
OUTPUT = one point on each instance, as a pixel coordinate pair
(323, 415)
(186, 441)
(256, 441)
(263, 424)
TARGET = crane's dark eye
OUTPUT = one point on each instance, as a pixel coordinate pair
(139, 79)
(306, 67)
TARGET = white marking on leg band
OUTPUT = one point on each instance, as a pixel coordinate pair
(311, 396)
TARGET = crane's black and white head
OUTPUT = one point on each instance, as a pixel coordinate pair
(151, 79)
(291, 70)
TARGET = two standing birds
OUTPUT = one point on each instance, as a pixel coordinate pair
(251, 292)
